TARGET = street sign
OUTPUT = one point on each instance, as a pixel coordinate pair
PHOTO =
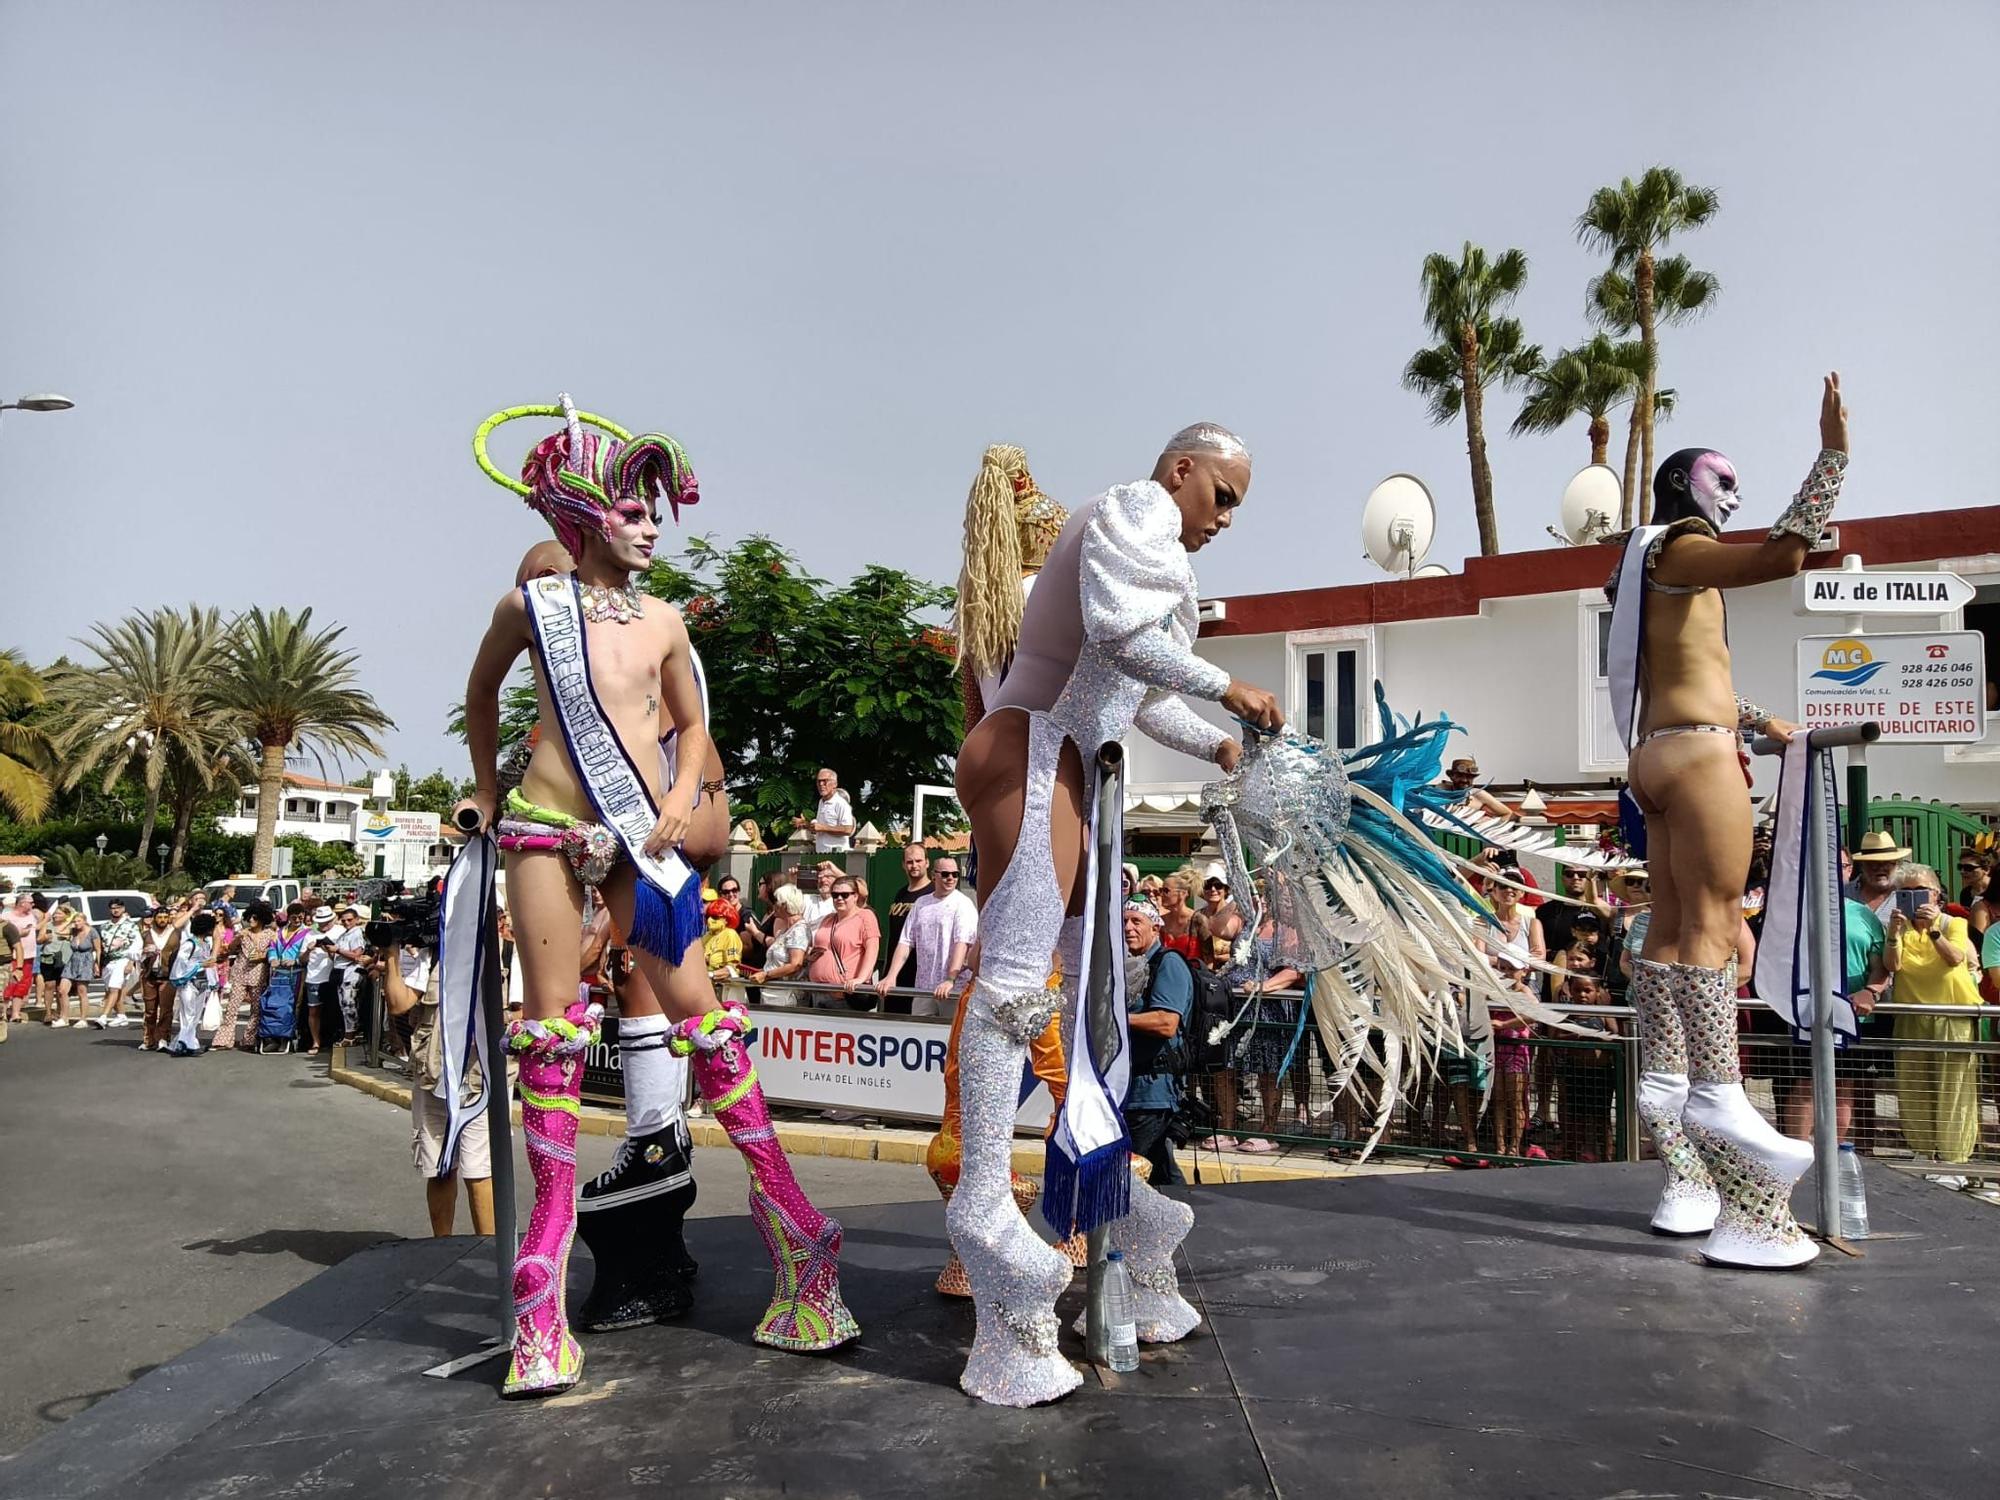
(1831, 593)
(1923, 687)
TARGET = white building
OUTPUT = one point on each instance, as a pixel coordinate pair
(1513, 648)
(322, 811)
(391, 843)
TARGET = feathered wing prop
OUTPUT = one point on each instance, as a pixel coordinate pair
(1324, 851)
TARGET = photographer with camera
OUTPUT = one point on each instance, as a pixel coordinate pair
(1159, 1001)
(406, 935)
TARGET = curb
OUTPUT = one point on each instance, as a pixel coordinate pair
(906, 1147)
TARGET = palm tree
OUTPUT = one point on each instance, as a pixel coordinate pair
(150, 696)
(1585, 381)
(1475, 348)
(289, 685)
(26, 755)
(192, 780)
(1631, 222)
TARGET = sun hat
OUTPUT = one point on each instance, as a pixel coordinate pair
(322, 914)
(1878, 847)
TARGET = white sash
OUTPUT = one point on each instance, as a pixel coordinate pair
(613, 784)
(1628, 620)
(465, 919)
(1783, 974)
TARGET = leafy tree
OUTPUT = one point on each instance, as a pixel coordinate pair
(26, 754)
(146, 705)
(290, 685)
(1476, 348)
(803, 675)
(1631, 223)
(312, 860)
(94, 871)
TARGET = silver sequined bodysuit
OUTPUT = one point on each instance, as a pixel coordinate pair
(1106, 644)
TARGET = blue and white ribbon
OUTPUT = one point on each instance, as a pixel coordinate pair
(612, 782)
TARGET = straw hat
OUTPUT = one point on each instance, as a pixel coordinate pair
(1877, 847)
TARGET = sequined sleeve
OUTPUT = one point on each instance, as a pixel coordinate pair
(1166, 720)
(1134, 581)
(1807, 515)
(1749, 717)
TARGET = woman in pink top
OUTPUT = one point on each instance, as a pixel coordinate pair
(844, 947)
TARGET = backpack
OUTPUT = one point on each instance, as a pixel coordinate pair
(1190, 1051)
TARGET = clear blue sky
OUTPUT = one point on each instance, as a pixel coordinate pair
(286, 256)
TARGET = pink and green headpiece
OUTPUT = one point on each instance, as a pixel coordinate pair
(572, 478)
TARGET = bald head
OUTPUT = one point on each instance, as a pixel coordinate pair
(1206, 468)
(1206, 438)
(544, 560)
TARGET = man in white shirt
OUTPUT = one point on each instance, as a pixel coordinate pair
(832, 823)
(819, 901)
(940, 930)
(350, 953)
(319, 970)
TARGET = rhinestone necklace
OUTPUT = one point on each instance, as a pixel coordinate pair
(619, 605)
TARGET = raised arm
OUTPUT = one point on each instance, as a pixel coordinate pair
(1704, 562)
(505, 639)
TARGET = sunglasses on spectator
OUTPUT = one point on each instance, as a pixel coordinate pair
(945, 874)
(730, 890)
(843, 895)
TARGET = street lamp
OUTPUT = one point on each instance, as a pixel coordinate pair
(47, 401)
(160, 854)
(103, 843)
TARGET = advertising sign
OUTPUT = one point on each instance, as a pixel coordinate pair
(1845, 593)
(1924, 687)
(833, 1059)
(371, 827)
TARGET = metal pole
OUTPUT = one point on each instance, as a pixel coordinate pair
(1106, 855)
(499, 1122)
(1824, 959)
(1857, 795)
(1825, 968)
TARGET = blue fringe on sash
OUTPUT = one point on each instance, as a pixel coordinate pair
(666, 926)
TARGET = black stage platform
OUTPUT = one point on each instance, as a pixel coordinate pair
(1501, 1333)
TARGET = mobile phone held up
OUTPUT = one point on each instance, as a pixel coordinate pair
(1907, 901)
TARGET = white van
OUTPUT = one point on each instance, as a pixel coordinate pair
(280, 893)
(97, 904)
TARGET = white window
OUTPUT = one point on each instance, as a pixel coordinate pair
(1600, 749)
(1331, 692)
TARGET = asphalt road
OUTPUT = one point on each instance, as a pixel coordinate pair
(147, 1202)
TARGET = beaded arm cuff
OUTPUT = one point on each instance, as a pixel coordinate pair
(1749, 717)
(1807, 515)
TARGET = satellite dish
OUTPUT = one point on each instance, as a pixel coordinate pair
(1432, 570)
(1397, 524)
(1590, 504)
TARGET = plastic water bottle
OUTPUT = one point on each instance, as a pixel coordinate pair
(1853, 1197)
(1121, 1323)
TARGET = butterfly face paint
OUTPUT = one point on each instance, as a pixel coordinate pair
(1712, 488)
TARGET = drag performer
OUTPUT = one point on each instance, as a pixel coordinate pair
(630, 1216)
(608, 661)
(1728, 1171)
(1010, 524)
(1106, 643)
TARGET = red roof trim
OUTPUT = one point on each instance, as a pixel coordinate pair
(1882, 541)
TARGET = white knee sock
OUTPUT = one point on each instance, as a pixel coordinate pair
(655, 1080)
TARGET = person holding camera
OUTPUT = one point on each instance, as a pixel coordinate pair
(1159, 1001)
(409, 986)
